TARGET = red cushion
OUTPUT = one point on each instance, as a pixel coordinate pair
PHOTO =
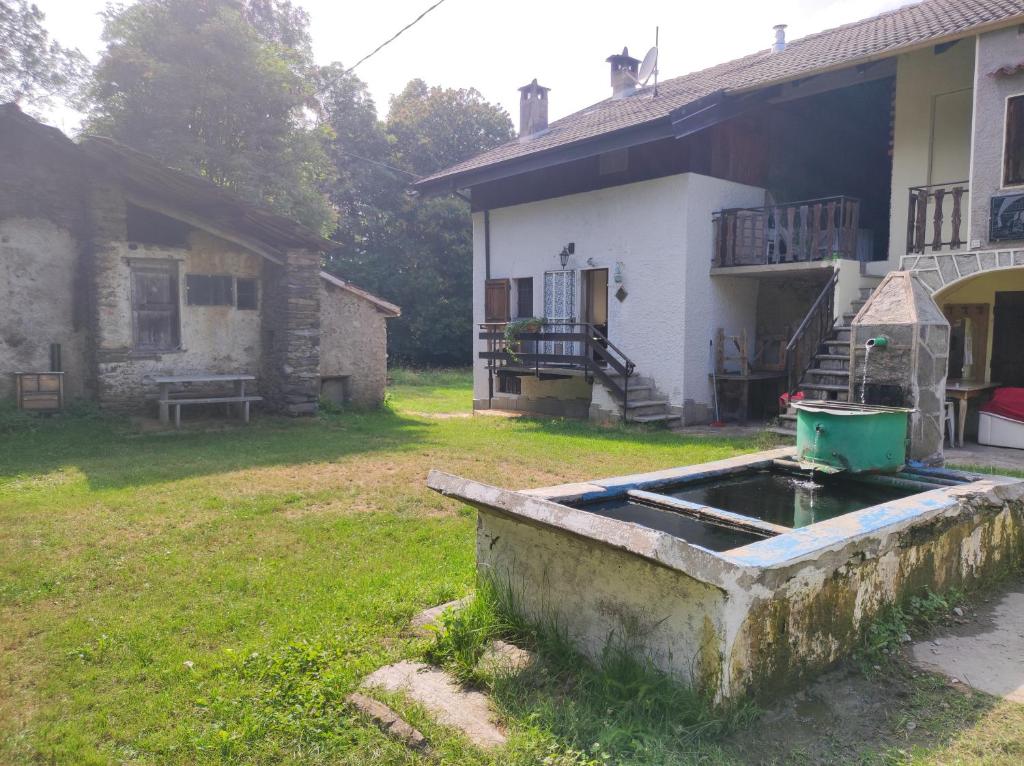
(1008, 402)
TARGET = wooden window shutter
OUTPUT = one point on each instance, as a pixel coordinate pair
(496, 300)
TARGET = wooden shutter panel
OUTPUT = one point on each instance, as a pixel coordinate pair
(496, 300)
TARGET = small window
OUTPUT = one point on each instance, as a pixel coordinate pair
(207, 290)
(510, 384)
(246, 294)
(155, 321)
(1013, 169)
(524, 298)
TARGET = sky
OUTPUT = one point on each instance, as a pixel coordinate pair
(496, 47)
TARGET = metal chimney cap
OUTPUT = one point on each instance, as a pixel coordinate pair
(780, 38)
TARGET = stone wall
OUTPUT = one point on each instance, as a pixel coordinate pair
(291, 333)
(353, 347)
(43, 239)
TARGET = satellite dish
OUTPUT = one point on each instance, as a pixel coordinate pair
(649, 65)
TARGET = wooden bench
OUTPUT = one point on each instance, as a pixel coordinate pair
(168, 400)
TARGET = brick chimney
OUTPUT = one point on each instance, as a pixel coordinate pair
(624, 73)
(533, 109)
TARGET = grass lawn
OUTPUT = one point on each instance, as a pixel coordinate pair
(212, 596)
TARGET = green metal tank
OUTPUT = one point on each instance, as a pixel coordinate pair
(841, 436)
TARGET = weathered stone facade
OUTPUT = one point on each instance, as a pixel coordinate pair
(353, 346)
(76, 238)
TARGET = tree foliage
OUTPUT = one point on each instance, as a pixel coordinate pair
(34, 68)
(414, 252)
(220, 88)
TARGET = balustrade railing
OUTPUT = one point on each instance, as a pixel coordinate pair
(809, 230)
(935, 216)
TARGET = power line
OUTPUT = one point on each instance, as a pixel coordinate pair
(380, 164)
(394, 36)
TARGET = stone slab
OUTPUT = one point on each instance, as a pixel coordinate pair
(988, 655)
(431, 617)
(503, 657)
(443, 697)
(389, 721)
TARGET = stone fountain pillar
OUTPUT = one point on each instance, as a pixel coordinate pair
(909, 367)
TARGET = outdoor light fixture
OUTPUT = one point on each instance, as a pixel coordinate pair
(566, 252)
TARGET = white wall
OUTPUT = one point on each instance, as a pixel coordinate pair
(661, 232)
(926, 82)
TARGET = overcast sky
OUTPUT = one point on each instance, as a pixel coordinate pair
(498, 46)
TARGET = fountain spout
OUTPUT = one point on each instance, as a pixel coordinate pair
(880, 342)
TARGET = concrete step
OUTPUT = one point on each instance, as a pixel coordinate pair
(865, 293)
(829, 373)
(834, 357)
(650, 419)
(842, 333)
(823, 387)
(638, 403)
(781, 431)
(651, 407)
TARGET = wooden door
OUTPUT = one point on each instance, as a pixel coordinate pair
(968, 340)
(1007, 343)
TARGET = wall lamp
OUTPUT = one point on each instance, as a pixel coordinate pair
(566, 252)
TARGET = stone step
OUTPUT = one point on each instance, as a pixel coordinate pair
(834, 357)
(842, 333)
(865, 293)
(783, 431)
(637, 403)
(835, 343)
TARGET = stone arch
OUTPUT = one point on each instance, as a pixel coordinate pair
(939, 272)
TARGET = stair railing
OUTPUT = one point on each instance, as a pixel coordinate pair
(811, 333)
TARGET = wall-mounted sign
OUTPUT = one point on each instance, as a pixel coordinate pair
(1007, 217)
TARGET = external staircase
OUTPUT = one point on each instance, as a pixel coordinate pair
(828, 377)
(640, 402)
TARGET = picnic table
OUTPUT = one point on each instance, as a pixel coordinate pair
(176, 400)
(963, 391)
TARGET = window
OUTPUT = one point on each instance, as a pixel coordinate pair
(207, 290)
(1013, 152)
(496, 300)
(246, 293)
(524, 298)
(155, 324)
(510, 384)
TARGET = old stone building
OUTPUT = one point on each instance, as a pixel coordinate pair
(115, 269)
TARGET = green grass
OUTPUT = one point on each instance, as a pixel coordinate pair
(211, 596)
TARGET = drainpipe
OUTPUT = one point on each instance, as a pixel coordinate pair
(487, 275)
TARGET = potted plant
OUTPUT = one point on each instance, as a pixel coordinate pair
(513, 328)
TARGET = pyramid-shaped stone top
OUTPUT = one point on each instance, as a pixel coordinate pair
(900, 299)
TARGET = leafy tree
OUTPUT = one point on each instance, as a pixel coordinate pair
(34, 68)
(220, 88)
(415, 252)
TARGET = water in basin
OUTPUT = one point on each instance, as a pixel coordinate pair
(787, 500)
(711, 536)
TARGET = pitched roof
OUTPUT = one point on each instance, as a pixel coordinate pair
(388, 309)
(188, 194)
(888, 34)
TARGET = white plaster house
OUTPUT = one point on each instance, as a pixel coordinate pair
(765, 196)
(115, 269)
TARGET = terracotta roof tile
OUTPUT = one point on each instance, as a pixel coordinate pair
(877, 37)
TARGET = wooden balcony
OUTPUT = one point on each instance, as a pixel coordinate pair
(797, 232)
(935, 217)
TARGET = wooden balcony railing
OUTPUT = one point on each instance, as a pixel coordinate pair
(559, 345)
(810, 230)
(935, 215)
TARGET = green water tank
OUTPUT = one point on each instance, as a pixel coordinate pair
(840, 436)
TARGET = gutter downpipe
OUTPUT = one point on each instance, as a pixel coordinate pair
(487, 275)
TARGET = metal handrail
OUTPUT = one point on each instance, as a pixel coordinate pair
(823, 309)
(595, 343)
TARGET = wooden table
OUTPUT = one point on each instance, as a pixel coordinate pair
(746, 382)
(167, 400)
(963, 391)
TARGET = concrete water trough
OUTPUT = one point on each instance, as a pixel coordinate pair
(736, 576)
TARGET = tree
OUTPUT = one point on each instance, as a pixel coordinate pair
(220, 88)
(415, 252)
(34, 68)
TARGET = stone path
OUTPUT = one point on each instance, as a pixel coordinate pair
(442, 696)
(428, 618)
(985, 652)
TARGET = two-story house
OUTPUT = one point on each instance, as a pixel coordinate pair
(733, 220)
